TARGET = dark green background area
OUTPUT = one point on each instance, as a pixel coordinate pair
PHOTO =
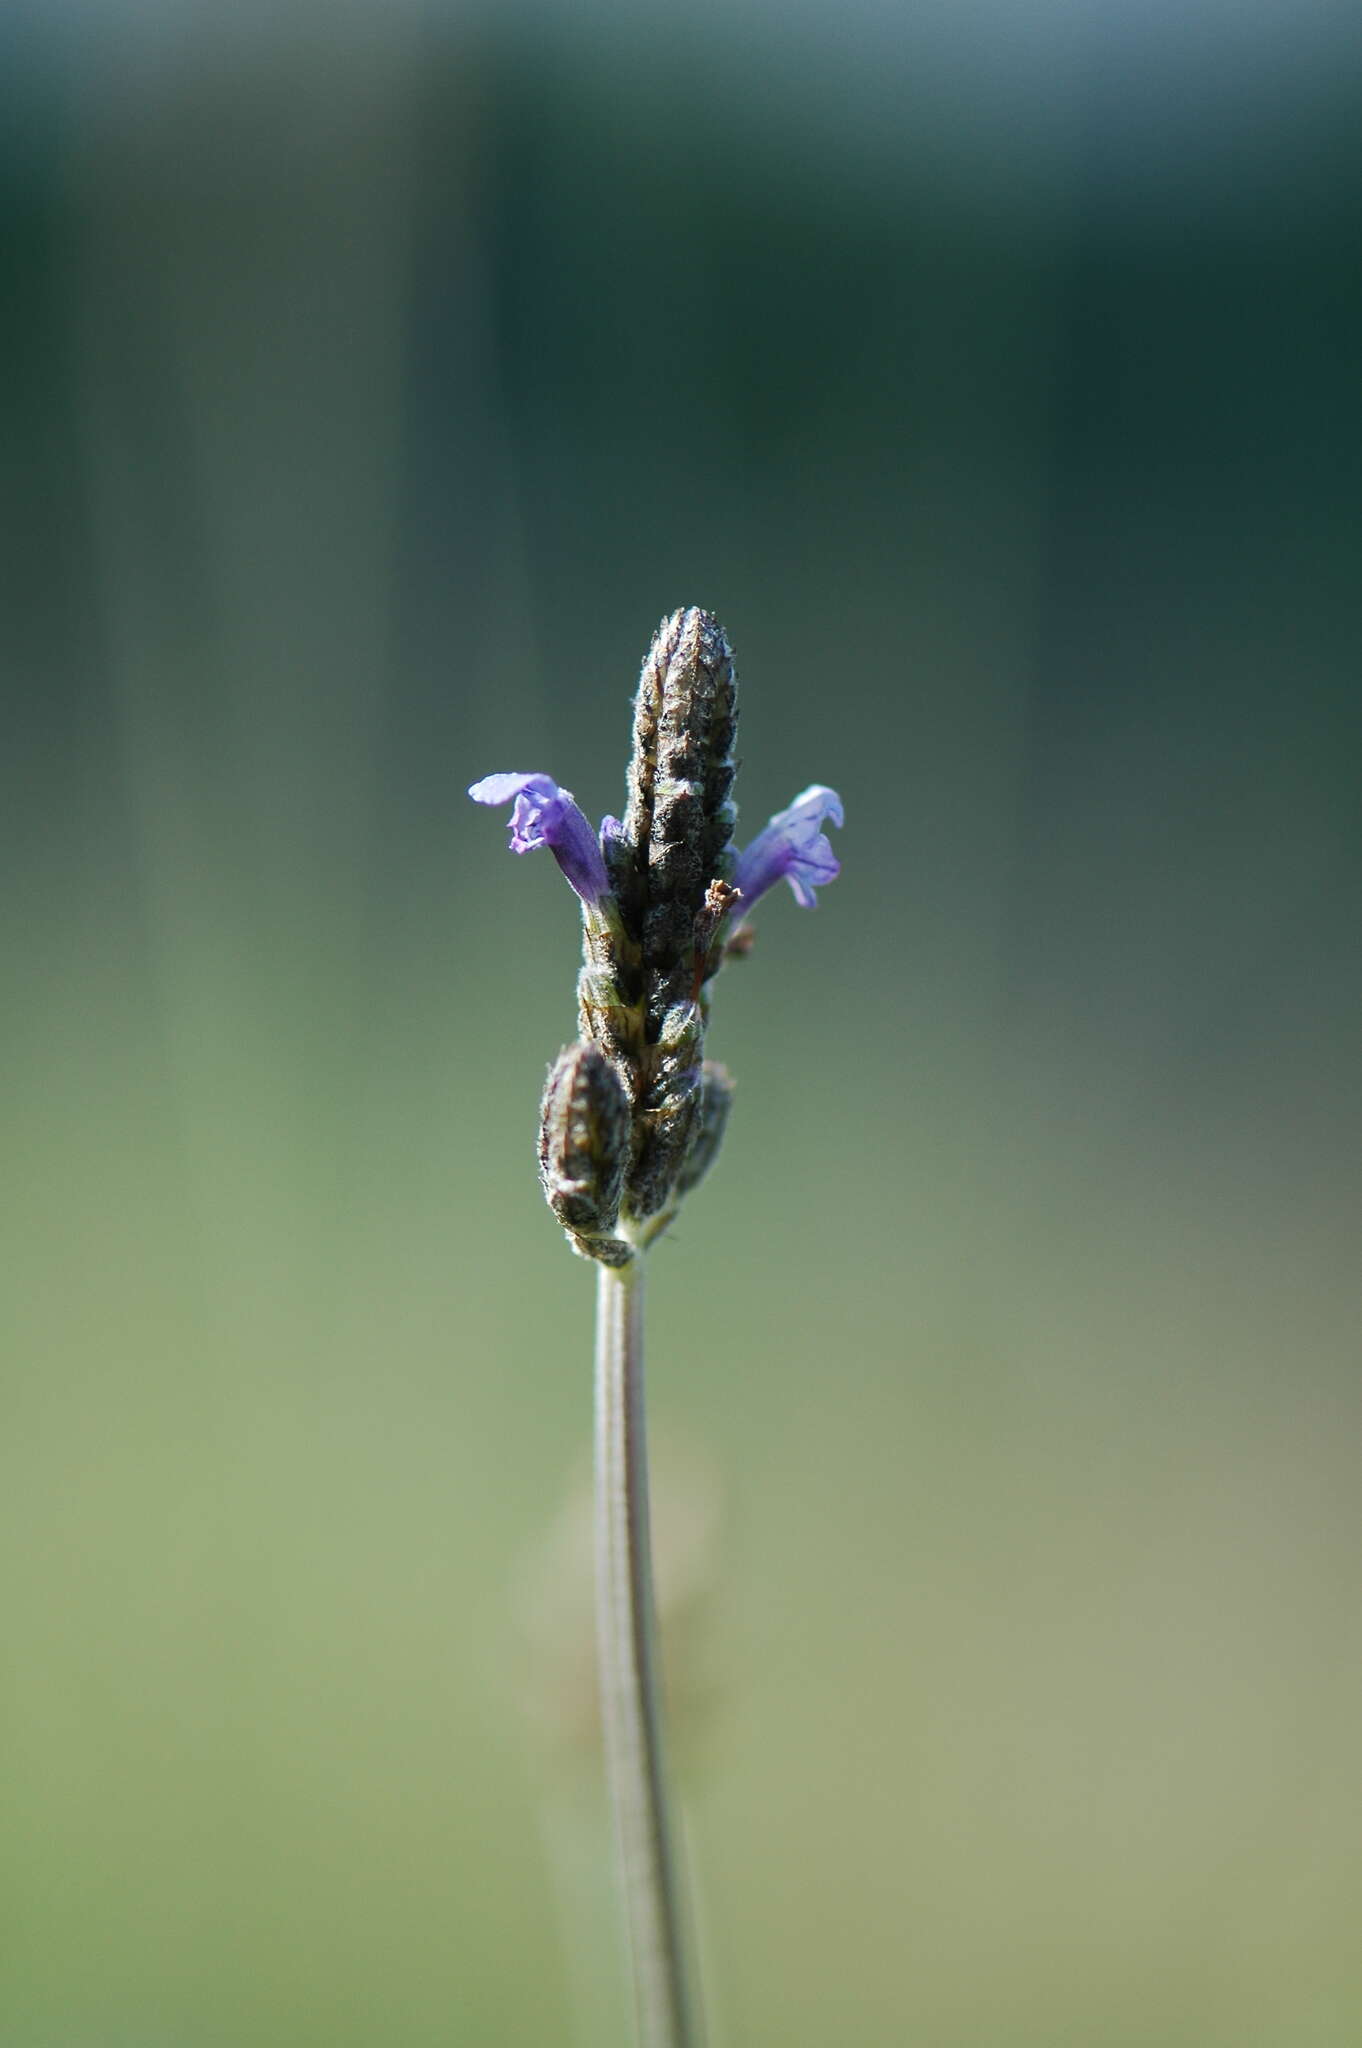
(372, 381)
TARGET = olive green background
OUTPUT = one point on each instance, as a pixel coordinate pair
(372, 381)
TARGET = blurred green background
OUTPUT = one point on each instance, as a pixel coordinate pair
(373, 378)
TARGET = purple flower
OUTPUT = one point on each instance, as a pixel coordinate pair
(545, 815)
(793, 845)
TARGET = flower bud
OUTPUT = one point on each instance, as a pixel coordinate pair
(667, 1111)
(680, 818)
(584, 1137)
(605, 1013)
(716, 1100)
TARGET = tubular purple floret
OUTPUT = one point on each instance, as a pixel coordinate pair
(546, 815)
(793, 847)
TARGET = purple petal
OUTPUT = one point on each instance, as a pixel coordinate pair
(504, 789)
(793, 847)
(545, 815)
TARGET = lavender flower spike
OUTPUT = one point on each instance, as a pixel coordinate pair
(545, 815)
(794, 846)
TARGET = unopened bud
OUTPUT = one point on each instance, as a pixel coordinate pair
(716, 1100)
(605, 1012)
(680, 817)
(584, 1136)
(667, 1111)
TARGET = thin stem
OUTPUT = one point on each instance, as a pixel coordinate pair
(630, 1702)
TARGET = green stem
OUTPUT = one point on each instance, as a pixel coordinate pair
(630, 1701)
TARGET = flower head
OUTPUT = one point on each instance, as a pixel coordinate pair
(545, 815)
(795, 847)
(634, 1113)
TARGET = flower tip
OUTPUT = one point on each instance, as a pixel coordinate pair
(504, 789)
(819, 799)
